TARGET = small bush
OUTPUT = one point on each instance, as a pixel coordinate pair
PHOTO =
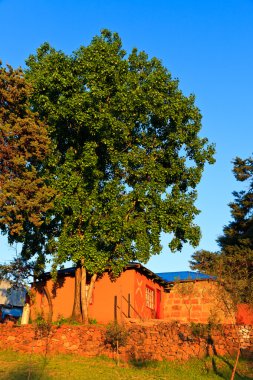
(65, 321)
(92, 321)
(61, 321)
(116, 335)
(42, 327)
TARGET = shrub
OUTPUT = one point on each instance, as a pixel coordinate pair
(116, 335)
(42, 327)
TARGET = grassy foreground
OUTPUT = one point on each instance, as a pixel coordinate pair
(16, 366)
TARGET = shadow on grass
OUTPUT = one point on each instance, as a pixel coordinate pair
(144, 363)
(215, 369)
(223, 374)
(27, 371)
(24, 373)
(220, 366)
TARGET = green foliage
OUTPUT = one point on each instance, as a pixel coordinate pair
(201, 330)
(126, 155)
(26, 197)
(18, 323)
(16, 272)
(205, 261)
(92, 321)
(60, 321)
(198, 329)
(233, 264)
(42, 327)
(116, 335)
(69, 321)
(64, 321)
(24, 143)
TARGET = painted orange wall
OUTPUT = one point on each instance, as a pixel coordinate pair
(140, 284)
(62, 293)
(102, 307)
(130, 282)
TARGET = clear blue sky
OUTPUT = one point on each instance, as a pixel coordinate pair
(207, 44)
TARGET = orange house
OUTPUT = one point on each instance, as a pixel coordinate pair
(136, 293)
(139, 293)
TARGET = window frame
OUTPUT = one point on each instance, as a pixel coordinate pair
(150, 297)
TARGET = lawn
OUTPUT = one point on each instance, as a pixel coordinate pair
(16, 366)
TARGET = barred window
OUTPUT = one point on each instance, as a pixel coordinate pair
(150, 298)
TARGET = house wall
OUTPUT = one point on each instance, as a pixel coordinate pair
(140, 284)
(102, 308)
(62, 293)
(199, 302)
(105, 291)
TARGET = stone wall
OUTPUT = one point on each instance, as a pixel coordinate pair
(152, 341)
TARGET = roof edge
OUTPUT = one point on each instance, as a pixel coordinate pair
(137, 266)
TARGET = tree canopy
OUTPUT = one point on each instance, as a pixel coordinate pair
(124, 161)
(127, 153)
(233, 264)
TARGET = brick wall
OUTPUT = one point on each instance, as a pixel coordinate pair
(199, 301)
(150, 341)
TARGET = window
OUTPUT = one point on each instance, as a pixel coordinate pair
(150, 298)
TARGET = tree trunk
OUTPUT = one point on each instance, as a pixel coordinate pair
(91, 287)
(236, 362)
(77, 311)
(86, 293)
(50, 304)
(84, 296)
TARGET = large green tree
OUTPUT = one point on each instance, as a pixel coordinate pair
(127, 156)
(233, 264)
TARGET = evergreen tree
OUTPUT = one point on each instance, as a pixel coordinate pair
(233, 264)
(26, 196)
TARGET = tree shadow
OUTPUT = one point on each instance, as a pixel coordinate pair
(24, 372)
(230, 366)
(142, 363)
(215, 369)
(32, 369)
(57, 285)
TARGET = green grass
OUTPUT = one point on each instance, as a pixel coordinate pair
(17, 366)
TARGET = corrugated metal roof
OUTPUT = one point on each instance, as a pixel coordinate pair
(183, 276)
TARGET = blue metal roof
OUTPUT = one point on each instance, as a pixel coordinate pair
(183, 276)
